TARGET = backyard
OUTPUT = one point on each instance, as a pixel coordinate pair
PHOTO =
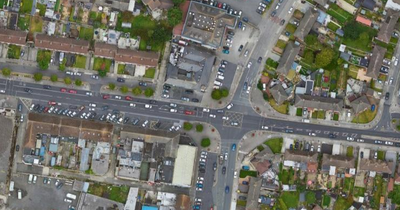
(121, 69)
(24, 22)
(26, 6)
(275, 144)
(86, 33)
(290, 199)
(118, 194)
(287, 176)
(36, 24)
(80, 62)
(339, 14)
(343, 203)
(358, 36)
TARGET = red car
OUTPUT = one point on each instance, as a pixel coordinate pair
(46, 109)
(128, 98)
(187, 112)
(63, 90)
(72, 91)
(106, 96)
(52, 103)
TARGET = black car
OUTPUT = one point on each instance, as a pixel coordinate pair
(46, 86)
(153, 101)
(231, 33)
(240, 48)
(17, 148)
(59, 186)
(259, 60)
(126, 119)
(119, 79)
(215, 166)
(144, 84)
(259, 11)
(361, 154)
(189, 91)
(195, 100)
(273, 13)
(282, 22)
(202, 170)
(105, 107)
(387, 95)
(288, 131)
(245, 19)
(223, 170)
(332, 136)
(167, 87)
(297, 145)
(397, 144)
(224, 62)
(27, 90)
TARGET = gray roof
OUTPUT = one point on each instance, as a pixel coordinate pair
(376, 165)
(360, 104)
(375, 63)
(321, 2)
(254, 193)
(387, 27)
(306, 23)
(300, 156)
(318, 102)
(339, 161)
(279, 94)
(368, 4)
(287, 58)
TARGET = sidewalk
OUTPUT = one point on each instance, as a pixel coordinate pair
(210, 132)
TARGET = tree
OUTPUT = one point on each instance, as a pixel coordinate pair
(216, 94)
(225, 92)
(187, 126)
(206, 142)
(6, 72)
(111, 86)
(174, 16)
(324, 57)
(199, 128)
(54, 78)
(177, 2)
(38, 77)
(310, 197)
(137, 91)
(102, 73)
(62, 65)
(149, 92)
(43, 64)
(160, 35)
(78, 82)
(67, 80)
(308, 56)
(124, 89)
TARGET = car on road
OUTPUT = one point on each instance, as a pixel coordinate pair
(249, 64)
(187, 112)
(282, 22)
(128, 98)
(288, 131)
(119, 79)
(28, 90)
(148, 106)
(199, 189)
(206, 110)
(93, 105)
(52, 103)
(378, 142)
(233, 147)
(234, 123)
(227, 189)
(387, 95)
(273, 14)
(235, 174)
(2, 91)
(118, 97)
(17, 148)
(240, 48)
(264, 127)
(215, 166)
(94, 76)
(391, 80)
(350, 138)
(246, 53)
(143, 84)
(47, 87)
(290, 10)
(63, 90)
(213, 115)
(145, 123)
(360, 140)
(312, 134)
(223, 170)
(173, 110)
(106, 96)
(225, 118)
(72, 91)
(89, 93)
(225, 51)
(229, 106)
(259, 60)
(332, 136)
(388, 143)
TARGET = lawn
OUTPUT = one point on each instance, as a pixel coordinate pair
(275, 144)
(2, 3)
(118, 194)
(348, 185)
(339, 14)
(41, 8)
(14, 51)
(43, 54)
(362, 43)
(318, 80)
(121, 69)
(299, 112)
(241, 202)
(283, 109)
(358, 191)
(287, 176)
(26, 7)
(260, 148)
(378, 191)
(335, 116)
(271, 63)
(353, 71)
(333, 26)
(326, 201)
(101, 64)
(362, 38)
(36, 24)
(342, 81)
(244, 173)
(86, 33)
(321, 114)
(365, 116)
(80, 62)
(381, 155)
(349, 152)
(343, 203)
(150, 72)
(24, 22)
(291, 199)
(57, 6)
(281, 44)
(291, 28)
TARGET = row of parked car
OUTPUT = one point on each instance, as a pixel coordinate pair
(220, 74)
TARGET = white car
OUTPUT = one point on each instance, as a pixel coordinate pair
(350, 139)
(145, 123)
(264, 127)
(312, 134)
(199, 189)
(225, 118)
(246, 53)
(173, 110)
(396, 62)
(118, 97)
(197, 199)
(68, 200)
(235, 174)
(200, 178)
(200, 182)
(244, 27)
(249, 64)
(234, 123)
(388, 143)
(92, 109)
(391, 80)
(229, 106)
(319, 148)
(212, 115)
(360, 140)
(204, 153)
(173, 105)
(132, 105)
(290, 10)
(2, 91)
(206, 110)
(92, 105)
(202, 160)
(148, 106)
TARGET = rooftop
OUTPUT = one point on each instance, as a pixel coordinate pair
(318, 102)
(363, 20)
(90, 202)
(13, 37)
(158, 4)
(287, 58)
(306, 23)
(61, 44)
(387, 27)
(254, 193)
(376, 165)
(137, 57)
(279, 94)
(300, 156)
(360, 104)
(375, 63)
(338, 161)
(184, 165)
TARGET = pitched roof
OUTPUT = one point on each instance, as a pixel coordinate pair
(368, 4)
(279, 94)
(360, 104)
(321, 2)
(287, 58)
(105, 50)
(318, 102)
(376, 165)
(158, 4)
(61, 44)
(13, 37)
(261, 166)
(363, 20)
(312, 167)
(306, 23)
(137, 57)
(254, 193)
(376, 61)
(300, 156)
(339, 161)
(387, 27)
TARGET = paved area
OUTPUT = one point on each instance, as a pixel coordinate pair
(5, 151)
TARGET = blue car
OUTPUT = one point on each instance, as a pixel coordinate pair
(227, 189)
(196, 207)
(240, 24)
(199, 185)
(225, 51)
(233, 147)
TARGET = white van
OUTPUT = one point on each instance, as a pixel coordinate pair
(220, 77)
(217, 83)
(264, 87)
(306, 120)
(30, 178)
(19, 194)
(11, 186)
(71, 196)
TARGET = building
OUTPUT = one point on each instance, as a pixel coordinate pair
(364, 20)
(375, 63)
(279, 94)
(299, 159)
(377, 166)
(287, 58)
(387, 27)
(156, 7)
(368, 4)
(393, 4)
(206, 24)
(321, 2)
(104, 50)
(90, 202)
(141, 58)
(132, 199)
(129, 158)
(254, 193)
(182, 202)
(165, 199)
(101, 158)
(184, 165)
(360, 104)
(336, 163)
(306, 24)
(66, 45)
(318, 103)
(8, 36)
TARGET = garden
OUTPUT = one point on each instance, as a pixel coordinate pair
(26, 7)
(80, 62)
(358, 36)
(36, 24)
(24, 22)
(102, 64)
(118, 194)
(275, 144)
(339, 14)
(14, 51)
(86, 33)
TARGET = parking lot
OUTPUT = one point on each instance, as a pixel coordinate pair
(248, 8)
(206, 194)
(39, 195)
(5, 147)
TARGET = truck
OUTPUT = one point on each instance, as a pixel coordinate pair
(30, 178)
(71, 196)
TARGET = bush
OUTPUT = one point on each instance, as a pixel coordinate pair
(124, 89)
(78, 82)
(187, 126)
(6, 72)
(67, 80)
(271, 63)
(111, 86)
(38, 77)
(299, 112)
(199, 128)
(149, 92)
(217, 94)
(136, 91)
(205, 142)
(62, 65)
(54, 78)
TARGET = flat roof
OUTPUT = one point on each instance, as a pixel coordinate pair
(132, 198)
(184, 164)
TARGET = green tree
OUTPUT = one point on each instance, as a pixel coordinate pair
(324, 57)
(38, 77)
(187, 126)
(199, 128)
(124, 89)
(67, 80)
(178, 2)
(149, 92)
(137, 91)
(6, 72)
(78, 82)
(111, 86)
(43, 64)
(310, 197)
(62, 65)
(54, 78)
(174, 16)
(224, 92)
(102, 73)
(395, 195)
(216, 94)
(160, 35)
(206, 142)
(308, 56)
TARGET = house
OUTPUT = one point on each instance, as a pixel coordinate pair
(279, 94)
(157, 6)
(8, 36)
(360, 104)
(375, 63)
(206, 24)
(377, 166)
(299, 159)
(306, 24)
(393, 4)
(66, 45)
(387, 27)
(287, 58)
(254, 193)
(104, 50)
(321, 2)
(368, 4)
(364, 20)
(261, 166)
(312, 167)
(318, 103)
(333, 163)
(141, 58)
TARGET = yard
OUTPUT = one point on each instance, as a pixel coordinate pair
(321, 114)
(150, 72)
(358, 191)
(101, 64)
(26, 6)
(365, 116)
(348, 185)
(80, 62)
(118, 194)
(339, 14)
(343, 203)
(41, 8)
(287, 176)
(86, 33)
(359, 36)
(378, 182)
(275, 144)
(24, 22)
(121, 69)
(318, 80)
(14, 51)
(244, 173)
(349, 152)
(36, 24)
(299, 112)
(283, 109)
(43, 55)
(381, 155)
(333, 26)
(335, 116)
(326, 201)
(290, 199)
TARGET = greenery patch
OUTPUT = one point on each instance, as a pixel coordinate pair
(275, 144)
